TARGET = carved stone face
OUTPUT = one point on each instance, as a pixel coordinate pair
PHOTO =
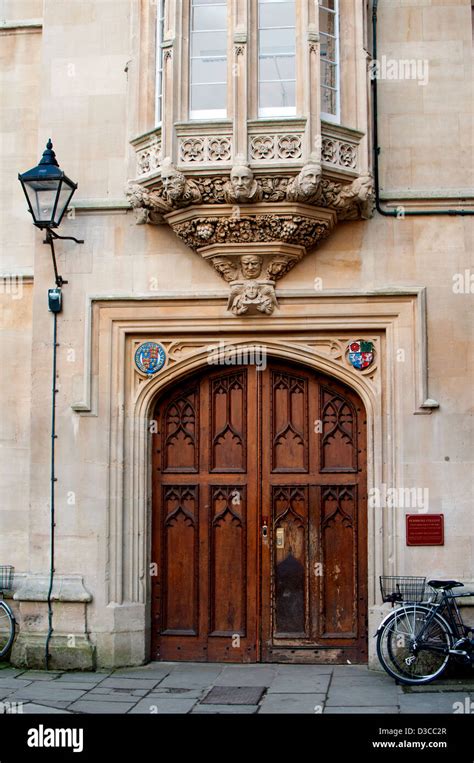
(364, 187)
(241, 179)
(224, 268)
(173, 183)
(251, 265)
(309, 179)
(277, 267)
(251, 292)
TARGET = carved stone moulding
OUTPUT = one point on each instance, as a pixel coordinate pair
(251, 246)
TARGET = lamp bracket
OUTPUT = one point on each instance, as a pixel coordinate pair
(64, 238)
(50, 236)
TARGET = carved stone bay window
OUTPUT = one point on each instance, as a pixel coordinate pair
(262, 147)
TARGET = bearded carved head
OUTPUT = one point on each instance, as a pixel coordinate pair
(242, 186)
(306, 185)
(174, 182)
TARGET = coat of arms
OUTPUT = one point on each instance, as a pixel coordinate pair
(150, 357)
(361, 353)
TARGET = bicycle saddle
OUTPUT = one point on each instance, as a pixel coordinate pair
(446, 584)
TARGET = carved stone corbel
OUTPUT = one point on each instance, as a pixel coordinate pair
(178, 191)
(251, 230)
(306, 186)
(148, 206)
(242, 187)
(353, 201)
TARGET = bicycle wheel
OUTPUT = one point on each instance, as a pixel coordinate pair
(412, 651)
(7, 628)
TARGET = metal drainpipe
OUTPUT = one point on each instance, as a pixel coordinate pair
(380, 209)
(52, 490)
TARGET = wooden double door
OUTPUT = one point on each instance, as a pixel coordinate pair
(259, 518)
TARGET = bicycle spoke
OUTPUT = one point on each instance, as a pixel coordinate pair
(414, 644)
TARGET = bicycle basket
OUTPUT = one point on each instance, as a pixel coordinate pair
(6, 576)
(402, 588)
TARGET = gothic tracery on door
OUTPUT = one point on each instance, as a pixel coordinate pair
(259, 518)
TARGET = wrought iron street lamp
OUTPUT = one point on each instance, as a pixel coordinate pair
(48, 192)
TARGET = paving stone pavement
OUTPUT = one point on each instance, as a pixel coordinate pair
(168, 688)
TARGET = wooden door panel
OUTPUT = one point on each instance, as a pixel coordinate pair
(228, 560)
(338, 538)
(314, 607)
(180, 544)
(180, 442)
(205, 533)
(236, 450)
(339, 433)
(290, 562)
(289, 434)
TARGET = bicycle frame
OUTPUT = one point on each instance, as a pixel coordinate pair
(448, 611)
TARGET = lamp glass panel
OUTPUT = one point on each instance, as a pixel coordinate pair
(63, 199)
(42, 196)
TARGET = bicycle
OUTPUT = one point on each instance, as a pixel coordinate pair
(416, 641)
(7, 618)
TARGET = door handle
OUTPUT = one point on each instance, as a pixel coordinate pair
(265, 528)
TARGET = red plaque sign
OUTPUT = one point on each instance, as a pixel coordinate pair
(425, 529)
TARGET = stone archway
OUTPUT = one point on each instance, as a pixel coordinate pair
(259, 531)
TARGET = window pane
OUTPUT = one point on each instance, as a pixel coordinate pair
(329, 32)
(275, 41)
(278, 95)
(209, 44)
(276, 57)
(328, 101)
(328, 74)
(208, 17)
(328, 47)
(208, 64)
(273, 14)
(277, 67)
(205, 98)
(208, 70)
(327, 22)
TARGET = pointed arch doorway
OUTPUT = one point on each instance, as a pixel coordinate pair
(259, 526)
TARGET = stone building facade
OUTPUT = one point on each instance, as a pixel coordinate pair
(240, 501)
